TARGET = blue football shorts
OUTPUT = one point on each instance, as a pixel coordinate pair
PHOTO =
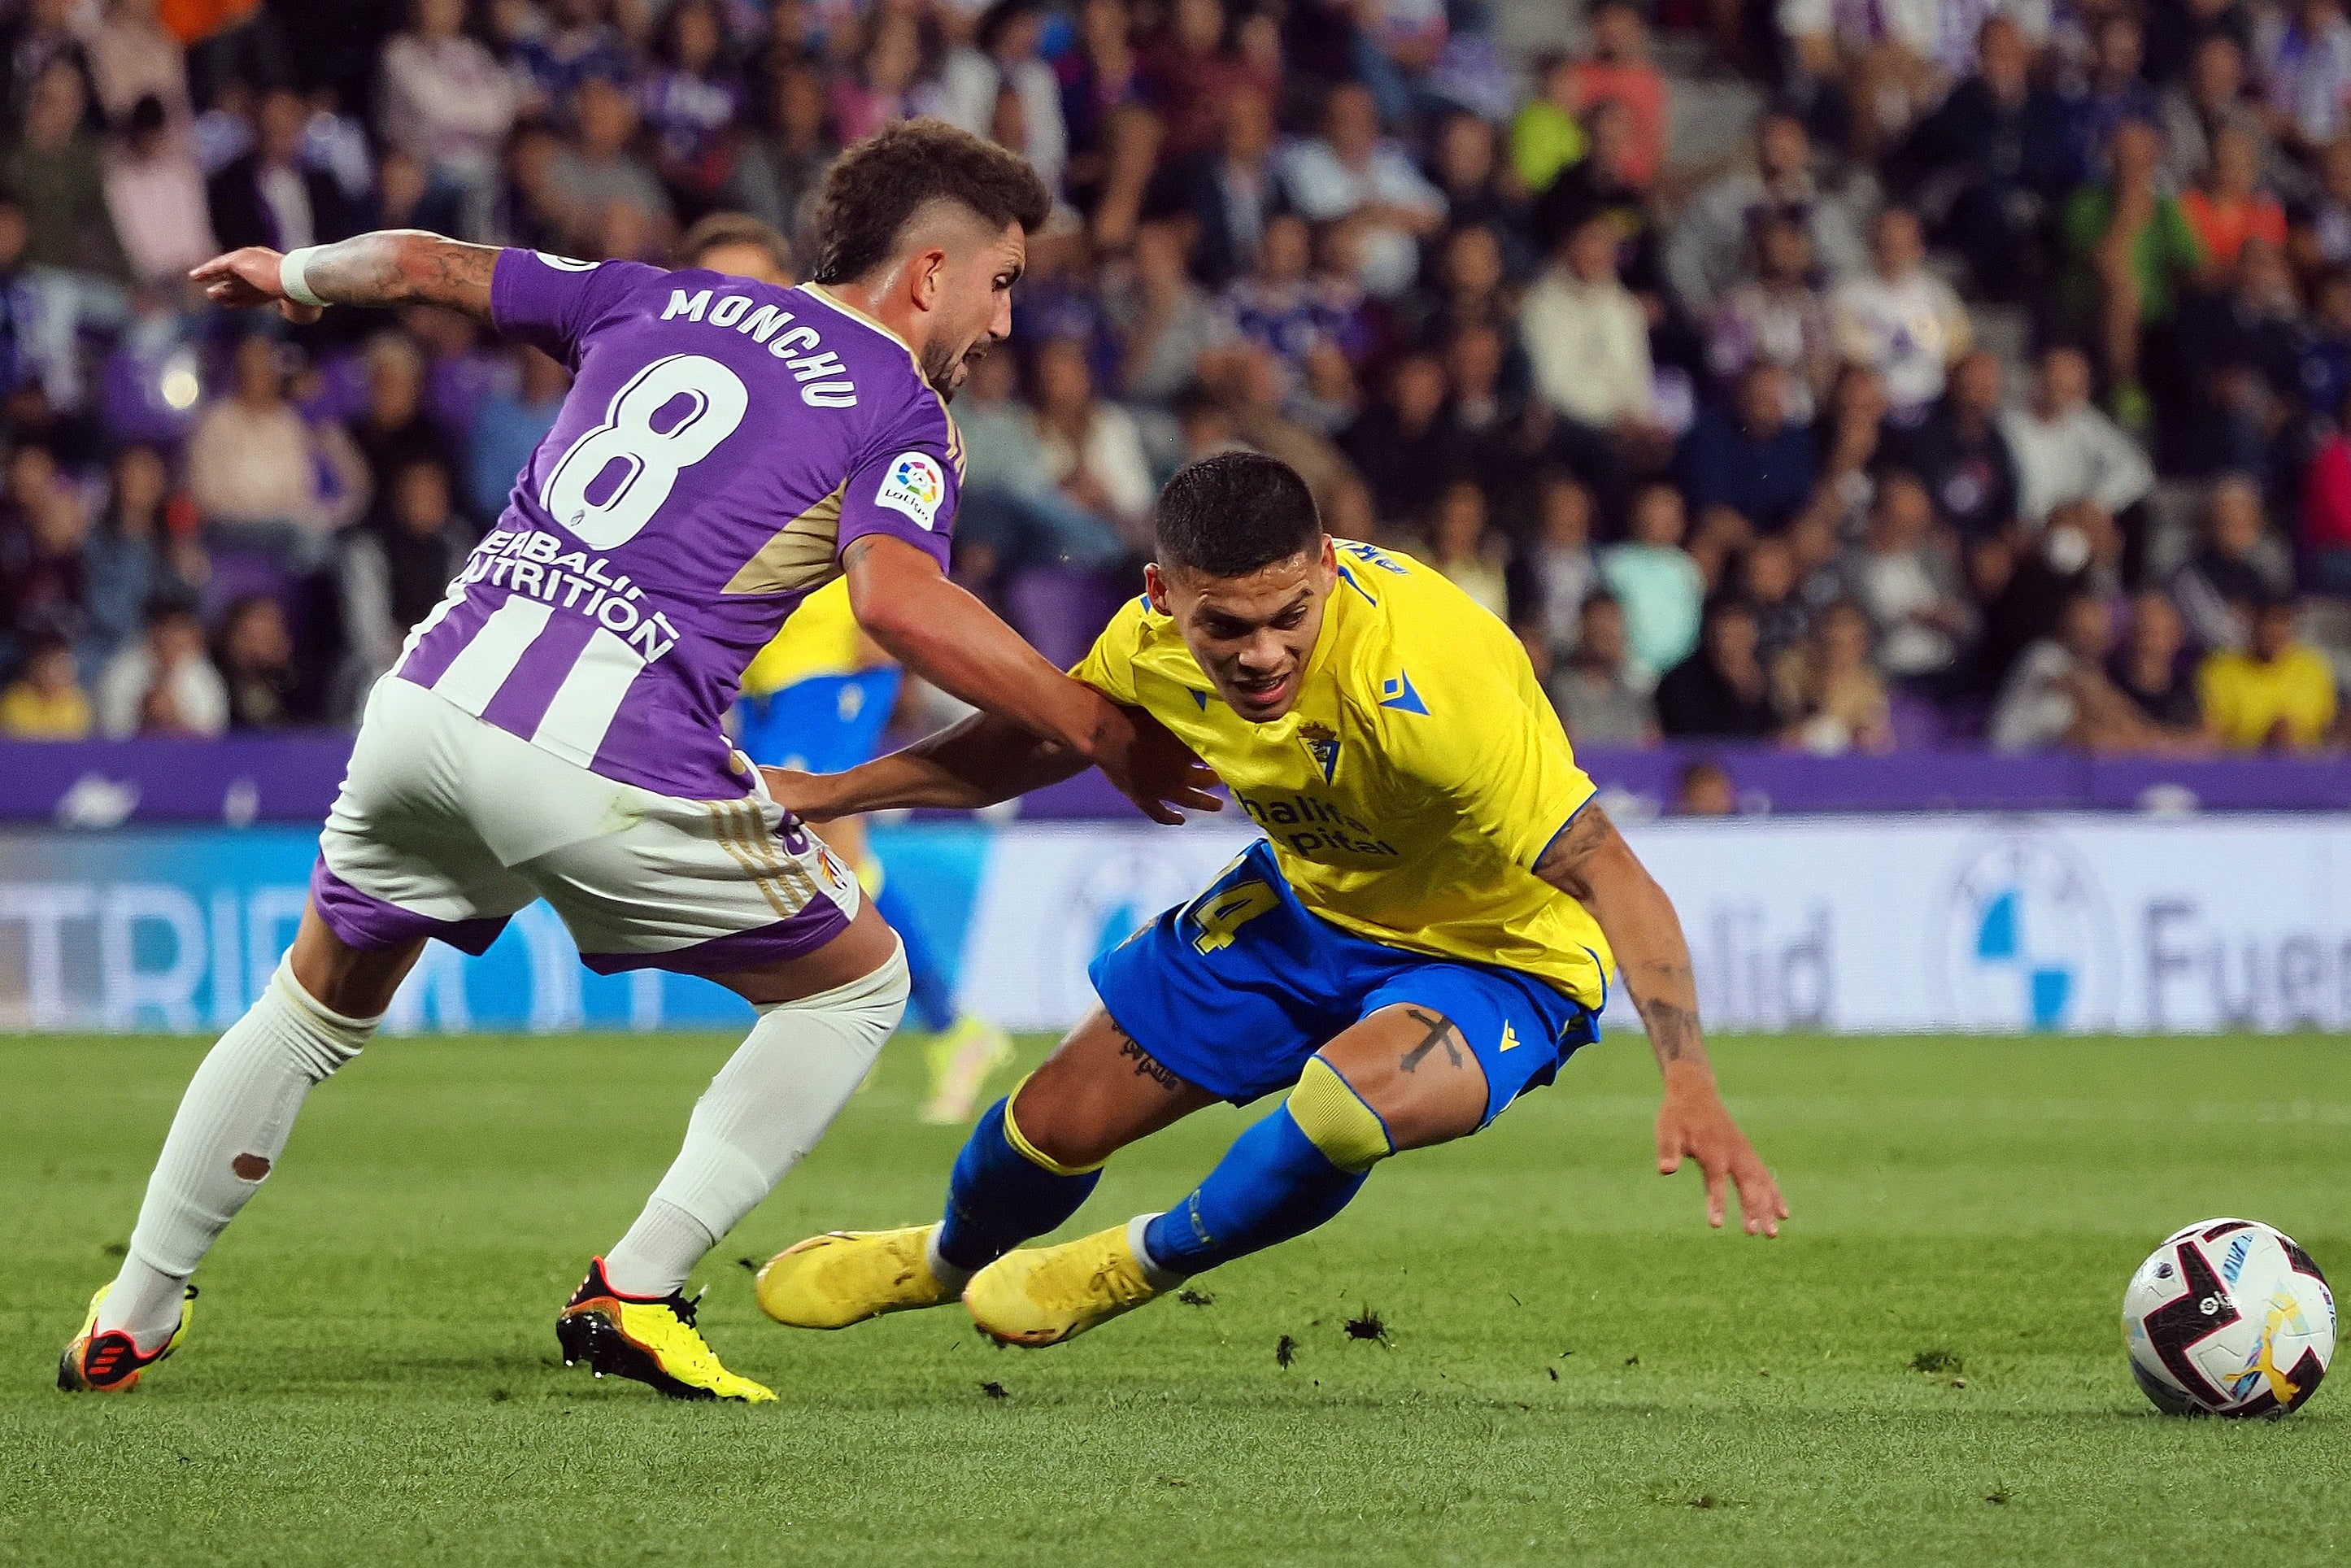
(1236, 989)
(825, 724)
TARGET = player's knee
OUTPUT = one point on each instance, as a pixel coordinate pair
(1337, 1120)
(1049, 1135)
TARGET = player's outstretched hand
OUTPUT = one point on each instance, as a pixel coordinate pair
(1694, 1121)
(1156, 772)
(248, 278)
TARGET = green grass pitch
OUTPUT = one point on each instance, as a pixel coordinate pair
(1573, 1369)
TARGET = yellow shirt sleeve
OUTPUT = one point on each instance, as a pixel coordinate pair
(1109, 665)
(1490, 742)
(821, 638)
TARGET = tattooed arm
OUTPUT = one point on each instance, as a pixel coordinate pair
(389, 267)
(1591, 863)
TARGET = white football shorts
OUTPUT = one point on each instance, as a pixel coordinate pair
(446, 826)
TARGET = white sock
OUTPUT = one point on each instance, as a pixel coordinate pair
(226, 1138)
(948, 1274)
(768, 1107)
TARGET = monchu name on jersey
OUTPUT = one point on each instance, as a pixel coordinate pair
(1410, 790)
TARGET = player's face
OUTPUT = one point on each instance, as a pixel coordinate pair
(973, 310)
(1251, 635)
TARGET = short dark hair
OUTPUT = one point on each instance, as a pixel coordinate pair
(1234, 513)
(874, 190)
(715, 229)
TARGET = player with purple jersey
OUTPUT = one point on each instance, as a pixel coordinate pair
(551, 729)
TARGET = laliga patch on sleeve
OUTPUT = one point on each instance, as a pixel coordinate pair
(914, 486)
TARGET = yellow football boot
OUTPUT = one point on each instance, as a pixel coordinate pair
(650, 1339)
(961, 1061)
(1043, 1295)
(110, 1363)
(845, 1277)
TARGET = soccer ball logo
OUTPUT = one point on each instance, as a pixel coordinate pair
(2229, 1318)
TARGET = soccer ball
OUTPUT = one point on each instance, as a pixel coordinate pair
(2229, 1318)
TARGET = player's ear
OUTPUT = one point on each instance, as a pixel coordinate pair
(1154, 587)
(927, 277)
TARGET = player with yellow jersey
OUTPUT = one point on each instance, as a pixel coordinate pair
(1425, 934)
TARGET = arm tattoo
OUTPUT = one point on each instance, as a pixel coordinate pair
(1440, 1032)
(1565, 862)
(1673, 1032)
(405, 267)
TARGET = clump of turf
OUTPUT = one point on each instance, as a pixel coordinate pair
(1368, 1325)
(1937, 1361)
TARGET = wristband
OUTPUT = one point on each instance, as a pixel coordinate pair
(290, 279)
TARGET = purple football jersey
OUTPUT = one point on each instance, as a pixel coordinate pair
(723, 441)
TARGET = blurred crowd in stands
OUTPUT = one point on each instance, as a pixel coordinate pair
(1990, 390)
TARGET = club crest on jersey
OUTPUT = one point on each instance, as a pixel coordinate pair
(1321, 744)
(915, 487)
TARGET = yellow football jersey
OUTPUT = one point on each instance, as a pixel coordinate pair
(820, 638)
(1410, 790)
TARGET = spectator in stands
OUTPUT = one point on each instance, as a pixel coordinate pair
(155, 195)
(1768, 580)
(2131, 252)
(1464, 286)
(1561, 572)
(1703, 788)
(1900, 320)
(1458, 547)
(259, 475)
(269, 196)
(1466, 168)
(509, 427)
(2318, 227)
(46, 702)
(1602, 696)
(254, 653)
(2228, 205)
(2277, 694)
(1720, 692)
(1960, 455)
(1619, 69)
(1352, 173)
(1586, 340)
(54, 170)
(392, 431)
(1985, 165)
(1547, 135)
(2068, 451)
(1230, 190)
(1191, 72)
(1656, 581)
(1164, 322)
(2325, 541)
(391, 572)
(790, 148)
(1884, 58)
(2212, 98)
(1750, 460)
(1834, 701)
(447, 104)
(1003, 56)
(1709, 241)
(2243, 354)
(2058, 694)
(1777, 315)
(1013, 515)
(2304, 55)
(132, 57)
(1282, 305)
(571, 41)
(1851, 439)
(163, 684)
(2110, 92)
(2231, 571)
(1906, 581)
(2152, 670)
(1400, 445)
(132, 555)
(1090, 449)
(596, 175)
(44, 568)
(690, 103)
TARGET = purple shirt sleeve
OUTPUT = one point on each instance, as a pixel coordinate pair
(909, 486)
(550, 301)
